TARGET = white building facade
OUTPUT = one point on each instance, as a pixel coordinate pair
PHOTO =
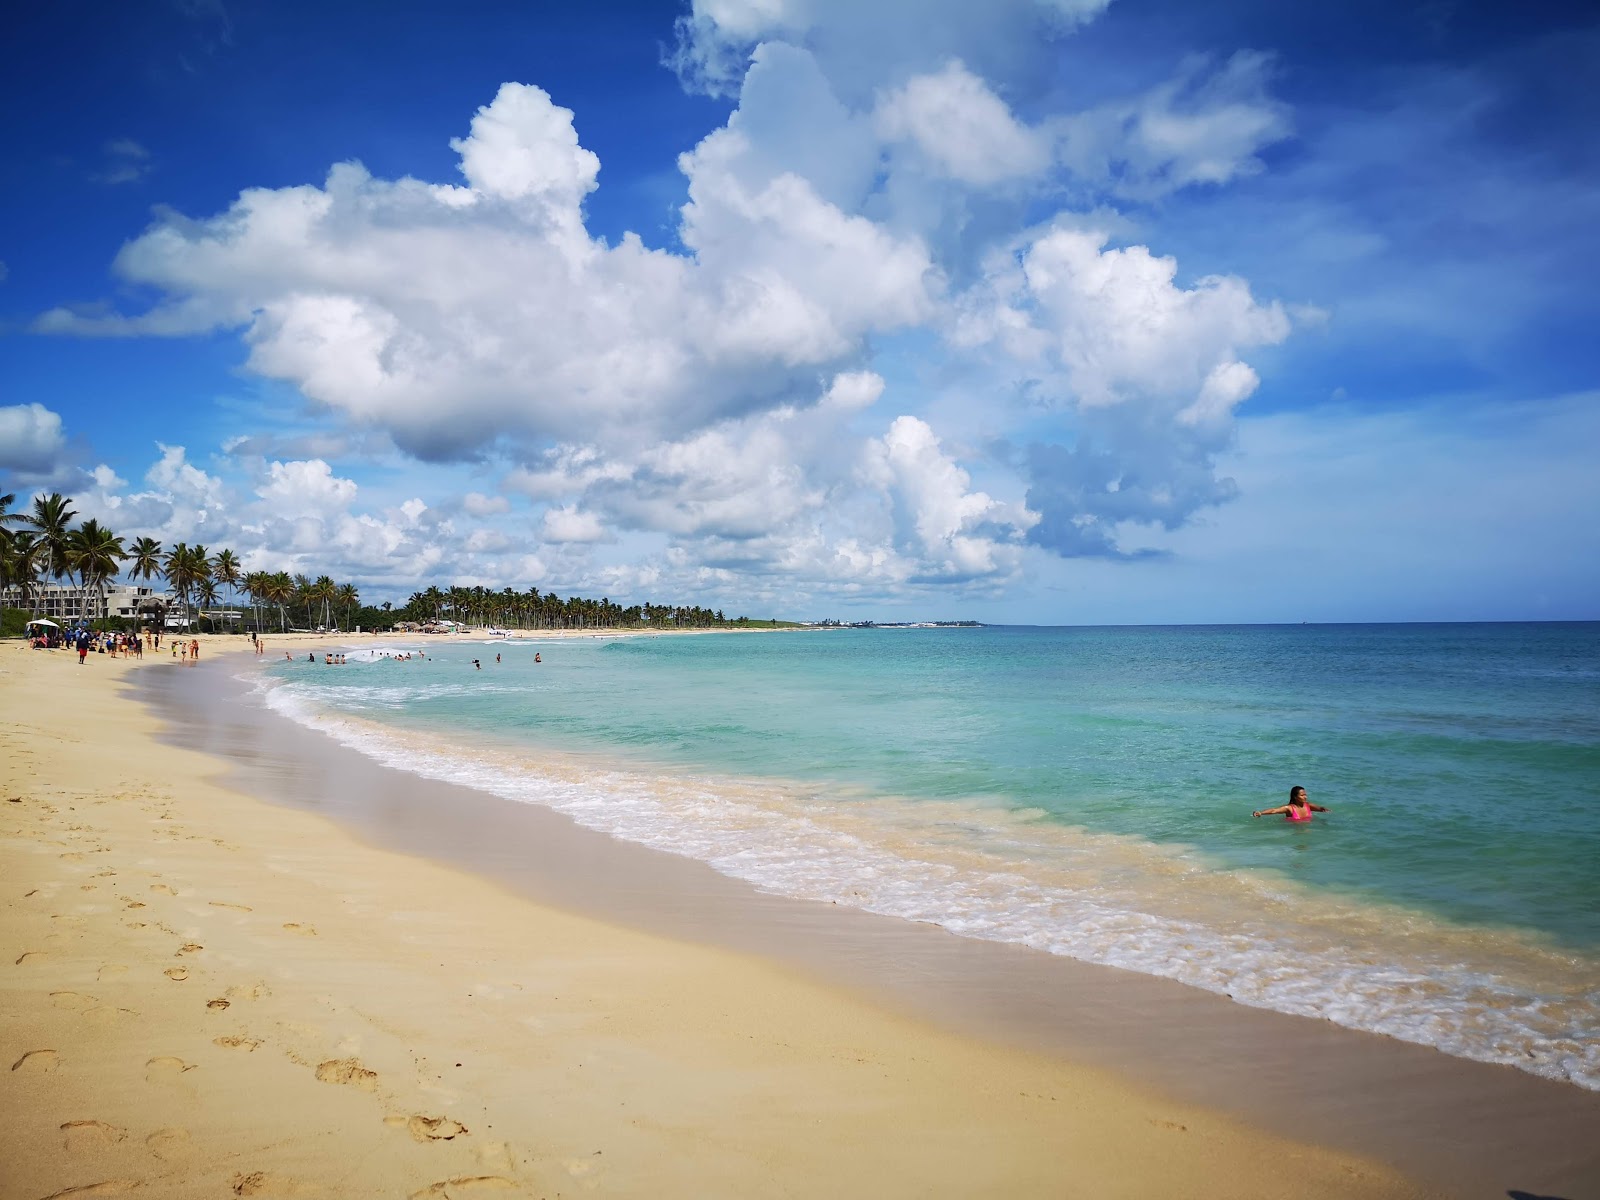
(70, 602)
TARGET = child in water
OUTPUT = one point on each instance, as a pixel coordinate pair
(1299, 807)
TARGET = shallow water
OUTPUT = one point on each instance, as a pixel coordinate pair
(1087, 791)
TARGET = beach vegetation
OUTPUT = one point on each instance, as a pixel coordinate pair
(44, 543)
(96, 554)
(52, 520)
(225, 570)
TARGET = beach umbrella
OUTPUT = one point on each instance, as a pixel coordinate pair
(44, 621)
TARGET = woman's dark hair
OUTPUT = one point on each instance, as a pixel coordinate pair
(1295, 791)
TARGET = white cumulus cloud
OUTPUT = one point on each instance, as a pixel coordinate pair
(31, 441)
(571, 524)
(959, 124)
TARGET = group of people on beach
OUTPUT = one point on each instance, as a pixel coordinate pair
(117, 645)
(126, 645)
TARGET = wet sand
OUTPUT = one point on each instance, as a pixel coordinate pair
(1152, 1088)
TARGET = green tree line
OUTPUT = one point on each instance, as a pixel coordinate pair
(511, 609)
(43, 543)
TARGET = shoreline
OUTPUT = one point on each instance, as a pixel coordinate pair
(362, 901)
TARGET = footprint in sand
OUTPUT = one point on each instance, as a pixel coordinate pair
(72, 1001)
(466, 1185)
(237, 1042)
(217, 1005)
(111, 971)
(30, 956)
(579, 1167)
(428, 1129)
(248, 991)
(134, 904)
(37, 1062)
(264, 1183)
(86, 1137)
(166, 1069)
(190, 948)
(169, 1145)
(302, 930)
(235, 907)
(163, 889)
(347, 1070)
(176, 974)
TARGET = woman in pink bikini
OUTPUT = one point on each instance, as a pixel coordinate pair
(1298, 808)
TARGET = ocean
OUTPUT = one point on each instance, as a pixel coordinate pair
(1085, 791)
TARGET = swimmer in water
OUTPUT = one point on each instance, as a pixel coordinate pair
(1298, 809)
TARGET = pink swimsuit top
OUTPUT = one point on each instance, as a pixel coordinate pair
(1290, 815)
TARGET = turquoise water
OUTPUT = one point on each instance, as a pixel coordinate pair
(1088, 791)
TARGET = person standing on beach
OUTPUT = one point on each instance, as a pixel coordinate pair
(1299, 807)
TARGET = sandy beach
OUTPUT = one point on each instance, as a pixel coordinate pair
(205, 994)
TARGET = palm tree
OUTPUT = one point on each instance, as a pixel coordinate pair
(21, 560)
(146, 556)
(323, 593)
(9, 518)
(348, 598)
(96, 554)
(205, 594)
(225, 567)
(279, 590)
(52, 517)
(302, 595)
(255, 588)
(184, 567)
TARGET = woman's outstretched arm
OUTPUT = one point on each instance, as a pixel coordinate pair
(1269, 812)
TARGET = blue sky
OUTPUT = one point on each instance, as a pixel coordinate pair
(1049, 311)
